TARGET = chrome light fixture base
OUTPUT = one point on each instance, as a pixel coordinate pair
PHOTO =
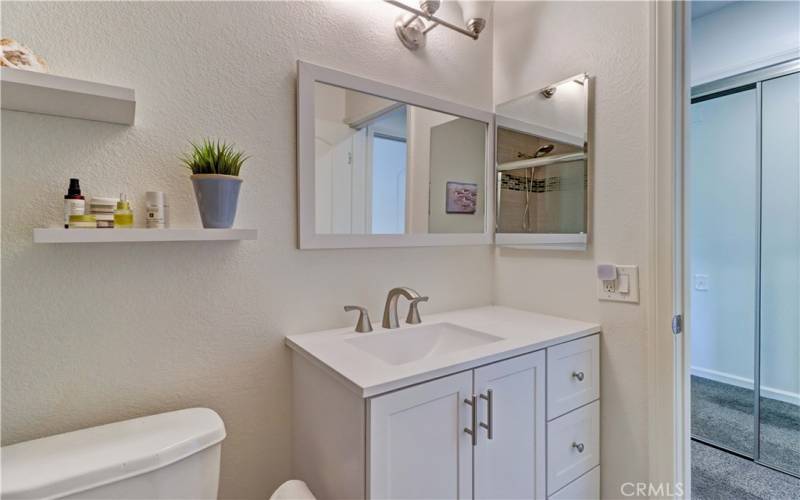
(476, 25)
(429, 7)
(410, 30)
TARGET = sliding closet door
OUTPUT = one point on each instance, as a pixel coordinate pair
(779, 412)
(723, 232)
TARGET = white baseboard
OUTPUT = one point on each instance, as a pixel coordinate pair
(766, 392)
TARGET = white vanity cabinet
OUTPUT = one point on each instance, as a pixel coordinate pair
(475, 434)
(522, 427)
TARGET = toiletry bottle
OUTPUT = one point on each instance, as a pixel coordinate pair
(155, 210)
(74, 203)
(123, 215)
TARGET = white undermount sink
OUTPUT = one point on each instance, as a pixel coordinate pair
(399, 347)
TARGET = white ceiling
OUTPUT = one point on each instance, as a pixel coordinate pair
(700, 9)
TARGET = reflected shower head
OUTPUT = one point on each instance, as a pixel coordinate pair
(547, 148)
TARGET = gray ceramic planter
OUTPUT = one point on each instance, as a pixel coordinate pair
(217, 198)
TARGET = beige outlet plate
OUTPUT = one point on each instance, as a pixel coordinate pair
(612, 290)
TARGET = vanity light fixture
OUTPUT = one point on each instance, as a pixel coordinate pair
(550, 90)
(411, 28)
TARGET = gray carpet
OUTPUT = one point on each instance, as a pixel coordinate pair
(723, 414)
(719, 475)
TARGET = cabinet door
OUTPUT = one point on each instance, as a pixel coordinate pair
(511, 464)
(417, 446)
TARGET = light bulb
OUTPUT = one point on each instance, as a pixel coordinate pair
(475, 14)
(429, 6)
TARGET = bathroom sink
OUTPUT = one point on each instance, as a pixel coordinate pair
(399, 347)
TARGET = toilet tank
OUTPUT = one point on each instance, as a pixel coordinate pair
(166, 456)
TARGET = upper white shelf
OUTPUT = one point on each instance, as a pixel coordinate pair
(62, 235)
(60, 96)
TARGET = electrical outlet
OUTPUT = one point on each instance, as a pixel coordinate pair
(625, 288)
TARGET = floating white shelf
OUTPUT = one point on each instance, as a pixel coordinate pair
(57, 95)
(61, 235)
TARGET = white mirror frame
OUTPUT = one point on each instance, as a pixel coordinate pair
(307, 75)
(552, 241)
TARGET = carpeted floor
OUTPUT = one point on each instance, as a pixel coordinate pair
(719, 475)
(723, 414)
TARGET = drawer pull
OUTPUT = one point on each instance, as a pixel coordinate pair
(490, 403)
(578, 446)
(578, 375)
(473, 402)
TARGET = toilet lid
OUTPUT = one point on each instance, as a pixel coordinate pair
(293, 489)
(76, 461)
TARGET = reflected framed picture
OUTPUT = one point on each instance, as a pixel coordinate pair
(462, 198)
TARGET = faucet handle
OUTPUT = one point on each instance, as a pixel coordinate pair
(363, 325)
(413, 312)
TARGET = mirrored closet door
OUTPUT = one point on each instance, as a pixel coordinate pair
(779, 378)
(744, 255)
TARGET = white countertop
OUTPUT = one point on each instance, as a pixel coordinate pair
(369, 376)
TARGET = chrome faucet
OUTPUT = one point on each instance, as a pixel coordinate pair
(390, 310)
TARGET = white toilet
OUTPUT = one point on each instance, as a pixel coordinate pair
(168, 456)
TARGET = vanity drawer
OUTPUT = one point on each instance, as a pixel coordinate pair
(573, 375)
(573, 446)
(586, 487)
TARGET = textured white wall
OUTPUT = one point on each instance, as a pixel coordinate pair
(542, 43)
(97, 333)
(457, 152)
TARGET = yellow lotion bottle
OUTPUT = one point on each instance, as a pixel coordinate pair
(123, 215)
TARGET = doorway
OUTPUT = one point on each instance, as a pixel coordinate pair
(743, 283)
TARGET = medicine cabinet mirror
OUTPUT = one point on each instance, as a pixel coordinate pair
(543, 169)
(380, 166)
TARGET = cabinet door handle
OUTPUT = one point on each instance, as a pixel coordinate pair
(578, 375)
(578, 446)
(489, 426)
(473, 403)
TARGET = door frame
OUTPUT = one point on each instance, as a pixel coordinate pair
(668, 353)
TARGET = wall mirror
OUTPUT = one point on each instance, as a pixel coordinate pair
(543, 170)
(380, 166)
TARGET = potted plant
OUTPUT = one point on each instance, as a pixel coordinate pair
(215, 176)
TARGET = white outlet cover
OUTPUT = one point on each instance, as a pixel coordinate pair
(701, 282)
(632, 272)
